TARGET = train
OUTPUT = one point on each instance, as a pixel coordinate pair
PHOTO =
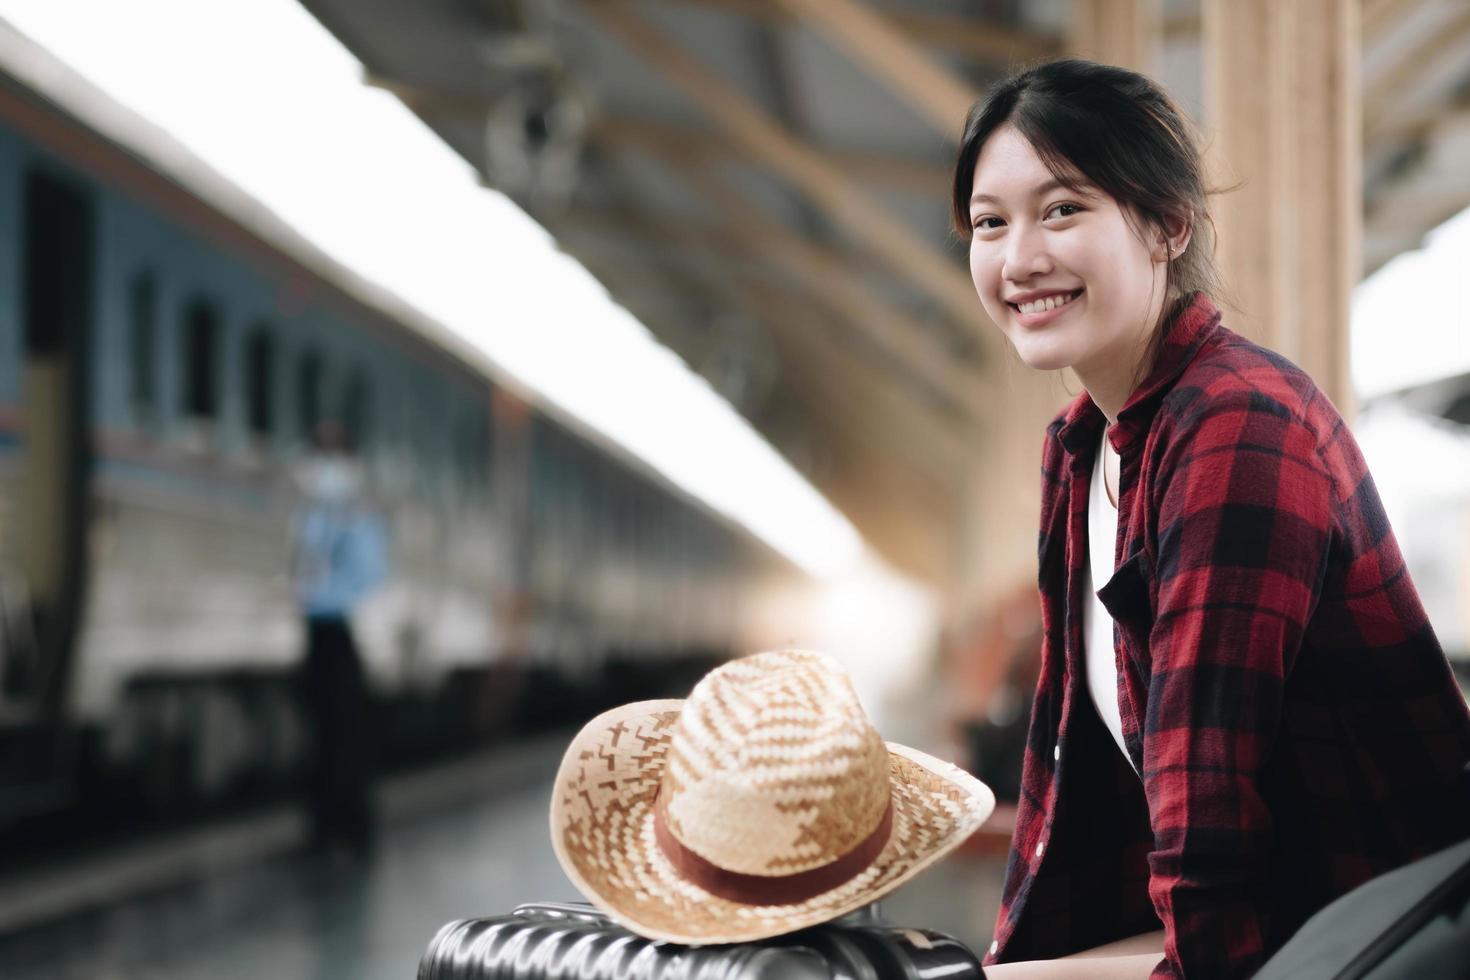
(166, 348)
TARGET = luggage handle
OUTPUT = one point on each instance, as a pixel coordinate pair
(579, 911)
(868, 915)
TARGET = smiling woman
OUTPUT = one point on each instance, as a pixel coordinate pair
(1059, 208)
(1242, 711)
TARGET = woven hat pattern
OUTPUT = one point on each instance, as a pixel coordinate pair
(625, 763)
(773, 767)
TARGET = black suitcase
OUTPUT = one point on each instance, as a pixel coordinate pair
(1409, 923)
(547, 941)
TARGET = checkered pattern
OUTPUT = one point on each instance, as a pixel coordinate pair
(1296, 725)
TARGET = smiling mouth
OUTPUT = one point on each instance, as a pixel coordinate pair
(1044, 308)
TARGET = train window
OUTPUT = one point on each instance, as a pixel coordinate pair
(201, 360)
(309, 376)
(143, 344)
(260, 370)
(472, 439)
(357, 412)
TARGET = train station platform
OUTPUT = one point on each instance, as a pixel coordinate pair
(240, 900)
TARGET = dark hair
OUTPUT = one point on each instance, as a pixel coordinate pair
(1117, 130)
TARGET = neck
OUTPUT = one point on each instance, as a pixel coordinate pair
(1111, 382)
(1111, 403)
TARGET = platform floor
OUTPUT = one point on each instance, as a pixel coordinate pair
(462, 840)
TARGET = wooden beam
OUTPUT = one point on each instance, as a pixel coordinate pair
(615, 227)
(967, 35)
(898, 173)
(832, 282)
(1414, 212)
(856, 391)
(433, 101)
(648, 300)
(1398, 78)
(933, 271)
(859, 396)
(922, 416)
(1282, 94)
(843, 290)
(829, 273)
(1435, 186)
(888, 55)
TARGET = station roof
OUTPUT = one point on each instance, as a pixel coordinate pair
(764, 185)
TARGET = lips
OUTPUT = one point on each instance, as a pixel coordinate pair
(1067, 297)
(1041, 317)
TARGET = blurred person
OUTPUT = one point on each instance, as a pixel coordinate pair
(339, 557)
(991, 682)
(1243, 711)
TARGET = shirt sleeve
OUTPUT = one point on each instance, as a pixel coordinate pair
(1245, 518)
(368, 563)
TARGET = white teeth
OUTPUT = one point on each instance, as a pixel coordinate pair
(1050, 303)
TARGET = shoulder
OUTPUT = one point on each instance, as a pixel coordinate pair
(1245, 426)
(1238, 391)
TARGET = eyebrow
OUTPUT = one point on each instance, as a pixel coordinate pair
(1043, 188)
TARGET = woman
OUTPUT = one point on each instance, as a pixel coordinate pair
(1272, 721)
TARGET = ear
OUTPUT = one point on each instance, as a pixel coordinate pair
(1172, 238)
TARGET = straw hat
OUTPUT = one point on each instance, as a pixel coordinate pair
(762, 804)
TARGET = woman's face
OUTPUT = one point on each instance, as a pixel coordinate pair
(1034, 239)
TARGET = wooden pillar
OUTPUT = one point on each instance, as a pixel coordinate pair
(998, 537)
(1127, 33)
(1283, 110)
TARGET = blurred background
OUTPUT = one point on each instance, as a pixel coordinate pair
(630, 336)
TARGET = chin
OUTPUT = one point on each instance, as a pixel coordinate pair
(1043, 357)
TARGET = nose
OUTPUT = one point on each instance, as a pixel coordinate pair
(1025, 254)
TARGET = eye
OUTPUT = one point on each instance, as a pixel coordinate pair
(1058, 207)
(980, 224)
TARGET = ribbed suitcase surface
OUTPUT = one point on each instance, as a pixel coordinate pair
(546, 941)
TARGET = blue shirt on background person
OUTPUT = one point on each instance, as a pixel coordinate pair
(339, 546)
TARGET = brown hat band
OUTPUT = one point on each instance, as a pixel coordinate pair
(748, 889)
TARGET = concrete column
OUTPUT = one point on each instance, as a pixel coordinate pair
(1283, 109)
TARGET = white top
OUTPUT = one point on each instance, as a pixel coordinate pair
(1097, 623)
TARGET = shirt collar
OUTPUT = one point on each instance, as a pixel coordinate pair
(1082, 424)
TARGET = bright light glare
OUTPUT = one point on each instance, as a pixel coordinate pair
(263, 94)
(1405, 331)
(883, 626)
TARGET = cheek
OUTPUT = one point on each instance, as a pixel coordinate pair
(984, 271)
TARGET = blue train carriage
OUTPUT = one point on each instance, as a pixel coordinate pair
(634, 588)
(165, 349)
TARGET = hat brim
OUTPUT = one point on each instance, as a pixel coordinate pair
(602, 832)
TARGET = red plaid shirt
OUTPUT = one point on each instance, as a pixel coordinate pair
(1296, 725)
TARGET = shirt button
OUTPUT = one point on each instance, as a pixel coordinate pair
(1040, 846)
(993, 947)
(1056, 753)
